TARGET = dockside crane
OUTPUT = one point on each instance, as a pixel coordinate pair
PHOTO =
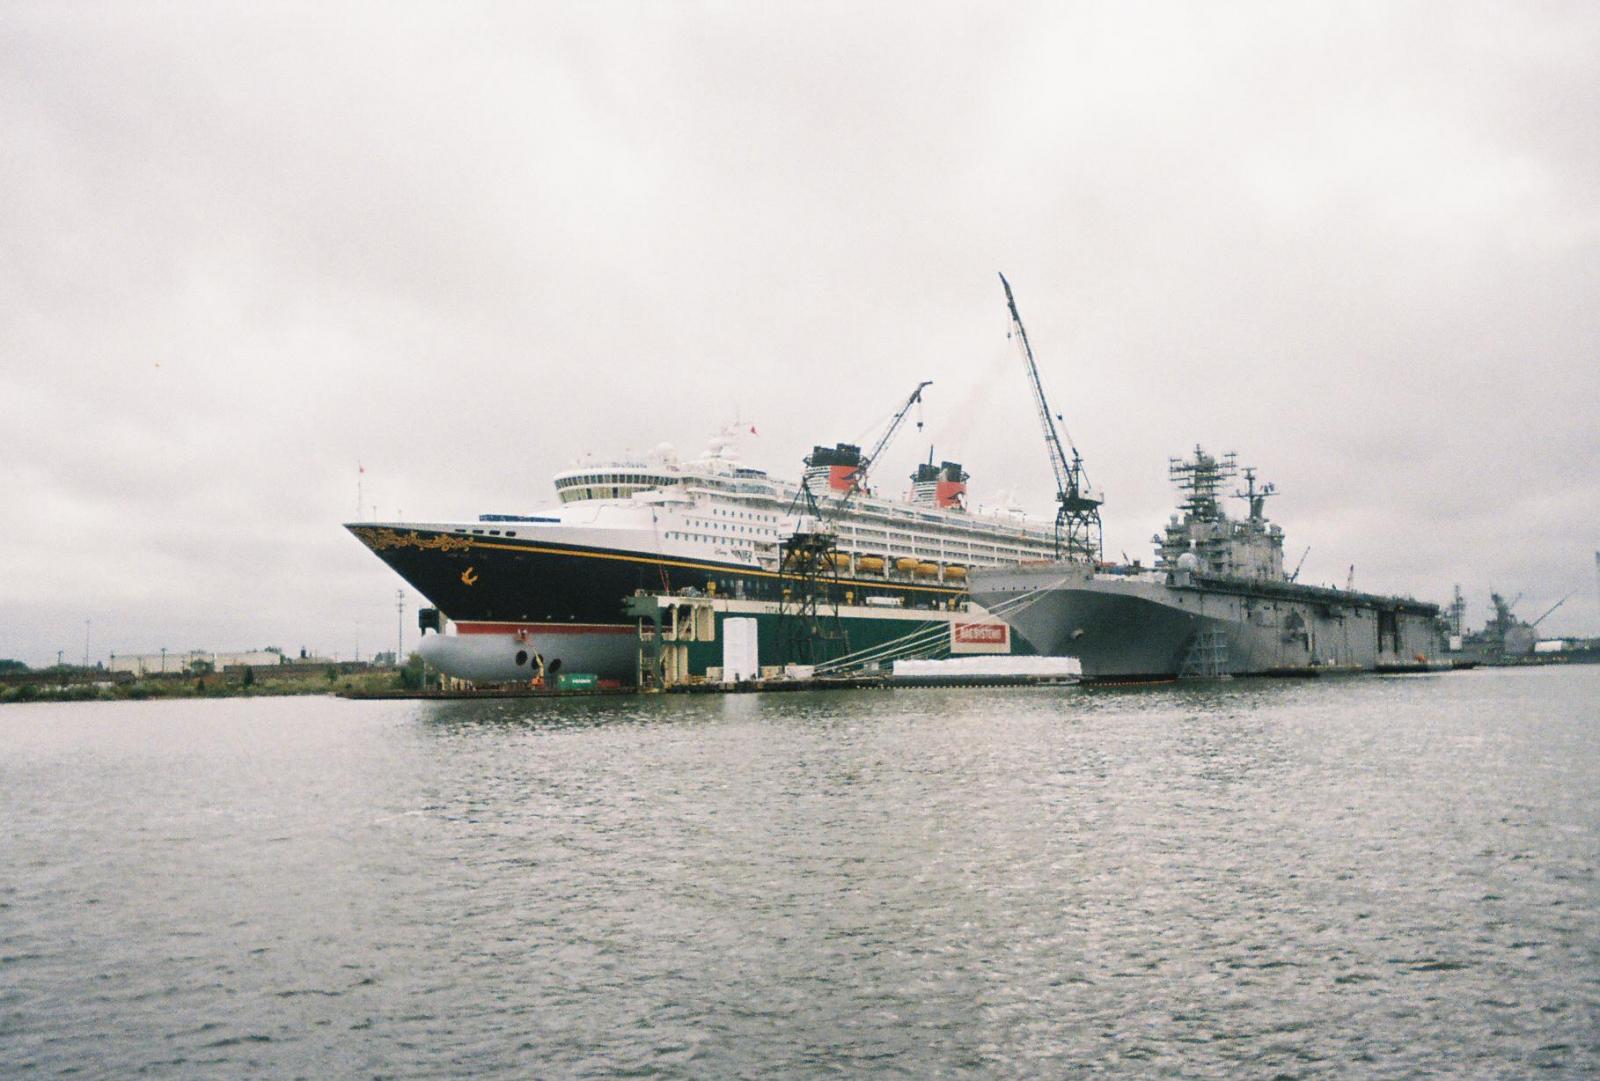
(1078, 532)
(859, 477)
(1551, 610)
(809, 629)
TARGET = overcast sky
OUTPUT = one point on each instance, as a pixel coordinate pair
(243, 248)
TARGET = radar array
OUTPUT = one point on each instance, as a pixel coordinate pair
(1201, 479)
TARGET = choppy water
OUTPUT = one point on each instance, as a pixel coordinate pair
(1378, 877)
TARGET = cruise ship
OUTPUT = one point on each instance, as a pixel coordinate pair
(543, 591)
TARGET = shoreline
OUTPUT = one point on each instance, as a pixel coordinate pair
(252, 683)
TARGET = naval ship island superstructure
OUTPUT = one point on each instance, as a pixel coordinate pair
(1217, 602)
(544, 591)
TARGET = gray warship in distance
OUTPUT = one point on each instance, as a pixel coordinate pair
(1217, 602)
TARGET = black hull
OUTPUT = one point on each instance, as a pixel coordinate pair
(470, 579)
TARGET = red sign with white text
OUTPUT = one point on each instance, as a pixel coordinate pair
(980, 638)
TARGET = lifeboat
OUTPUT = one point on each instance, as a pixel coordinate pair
(927, 570)
(873, 564)
(905, 563)
(958, 573)
(840, 559)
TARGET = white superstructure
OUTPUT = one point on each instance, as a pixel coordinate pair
(716, 508)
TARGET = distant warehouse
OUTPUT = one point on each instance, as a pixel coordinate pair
(253, 658)
(178, 663)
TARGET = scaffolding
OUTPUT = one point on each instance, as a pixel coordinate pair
(1207, 657)
(809, 628)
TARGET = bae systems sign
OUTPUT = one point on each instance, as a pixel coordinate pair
(980, 638)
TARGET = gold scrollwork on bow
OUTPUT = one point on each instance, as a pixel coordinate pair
(382, 538)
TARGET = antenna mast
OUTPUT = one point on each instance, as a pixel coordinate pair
(1078, 534)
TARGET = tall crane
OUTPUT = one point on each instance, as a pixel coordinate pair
(1078, 534)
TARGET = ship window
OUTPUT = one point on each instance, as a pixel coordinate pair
(511, 532)
(494, 532)
(522, 657)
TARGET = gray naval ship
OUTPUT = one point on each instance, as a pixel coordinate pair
(1217, 602)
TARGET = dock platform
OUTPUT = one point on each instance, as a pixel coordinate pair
(755, 686)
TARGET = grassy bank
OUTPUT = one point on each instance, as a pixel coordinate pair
(225, 685)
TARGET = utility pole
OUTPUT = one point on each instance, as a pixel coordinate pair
(399, 626)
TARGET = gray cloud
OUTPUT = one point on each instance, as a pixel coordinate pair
(246, 248)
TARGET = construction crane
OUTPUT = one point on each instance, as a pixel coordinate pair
(1078, 534)
(859, 477)
(1550, 610)
(809, 629)
(1300, 564)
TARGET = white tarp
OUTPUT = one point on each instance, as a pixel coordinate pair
(741, 653)
(991, 666)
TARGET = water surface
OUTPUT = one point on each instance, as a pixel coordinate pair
(1385, 877)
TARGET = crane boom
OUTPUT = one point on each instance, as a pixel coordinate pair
(1551, 609)
(1300, 564)
(1078, 535)
(825, 511)
(1052, 438)
(878, 448)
